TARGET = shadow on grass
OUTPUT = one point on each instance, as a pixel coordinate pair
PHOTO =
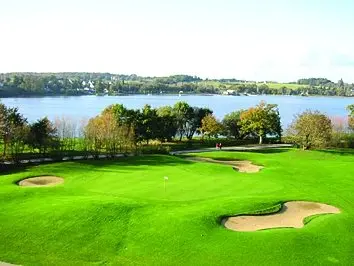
(12, 169)
(268, 151)
(345, 152)
(260, 151)
(124, 164)
(138, 160)
(191, 158)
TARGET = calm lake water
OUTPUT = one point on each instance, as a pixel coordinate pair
(79, 107)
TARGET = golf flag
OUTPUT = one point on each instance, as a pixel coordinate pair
(165, 178)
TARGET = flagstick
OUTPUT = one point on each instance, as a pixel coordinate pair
(165, 178)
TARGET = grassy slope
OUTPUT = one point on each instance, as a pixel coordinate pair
(117, 213)
(288, 85)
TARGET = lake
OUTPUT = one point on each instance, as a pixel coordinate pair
(79, 107)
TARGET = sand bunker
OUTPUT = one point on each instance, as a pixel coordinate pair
(7, 264)
(241, 166)
(292, 214)
(41, 181)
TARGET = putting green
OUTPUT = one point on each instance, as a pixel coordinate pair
(119, 213)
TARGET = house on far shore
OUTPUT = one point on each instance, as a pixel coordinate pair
(229, 92)
(89, 90)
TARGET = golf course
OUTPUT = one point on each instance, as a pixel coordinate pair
(171, 210)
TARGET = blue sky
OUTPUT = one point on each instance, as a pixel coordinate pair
(254, 40)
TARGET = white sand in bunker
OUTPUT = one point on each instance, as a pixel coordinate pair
(241, 166)
(292, 214)
(41, 181)
(7, 264)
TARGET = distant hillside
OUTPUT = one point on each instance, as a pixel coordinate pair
(83, 83)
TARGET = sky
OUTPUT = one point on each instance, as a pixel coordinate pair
(278, 40)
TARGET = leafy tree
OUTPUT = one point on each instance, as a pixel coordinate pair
(104, 134)
(99, 87)
(93, 136)
(341, 83)
(17, 80)
(149, 126)
(123, 115)
(211, 126)
(341, 137)
(129, 118)
(311, 129)
(18, 141)
(75, 83)
(232, 124)
(66, 128)
(262, 120)
(3, 111)
(167, 128)
(350, 108)
(115, 137)
(11, 123)
(183, 113)
(43, 135)
(194, 120)
(314, 81)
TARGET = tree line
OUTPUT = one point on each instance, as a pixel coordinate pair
(118, 129)
(40, 84)
(312, 129)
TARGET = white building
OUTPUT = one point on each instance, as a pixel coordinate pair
(228, 92)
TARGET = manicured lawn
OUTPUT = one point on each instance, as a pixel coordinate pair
(117, 213)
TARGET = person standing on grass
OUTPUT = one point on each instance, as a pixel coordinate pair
(220, 146)
(217, 146)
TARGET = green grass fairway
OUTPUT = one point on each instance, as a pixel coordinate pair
(117, 213)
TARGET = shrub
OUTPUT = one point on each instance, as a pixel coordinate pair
(311, 129)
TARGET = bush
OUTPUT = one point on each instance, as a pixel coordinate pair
(342, 140)
(155, 149)
(310, 129)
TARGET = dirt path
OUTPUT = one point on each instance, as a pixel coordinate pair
(41, 181)
(292, 214)
(241, 166)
